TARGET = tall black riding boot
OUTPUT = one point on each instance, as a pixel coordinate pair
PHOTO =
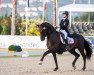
(67, 47)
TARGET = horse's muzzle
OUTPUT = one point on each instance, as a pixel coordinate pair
(42, 38)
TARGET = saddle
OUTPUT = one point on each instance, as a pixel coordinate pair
(70, 40)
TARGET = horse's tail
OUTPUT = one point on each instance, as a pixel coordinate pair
(88, 49)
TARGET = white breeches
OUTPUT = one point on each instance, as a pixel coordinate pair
(65, 33)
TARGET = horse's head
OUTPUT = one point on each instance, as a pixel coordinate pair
(45, 29)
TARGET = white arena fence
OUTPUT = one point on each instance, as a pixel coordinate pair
(30, 42)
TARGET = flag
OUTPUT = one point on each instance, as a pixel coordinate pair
(0, 5)
(44, 9)
(44, 4)
(13, 3)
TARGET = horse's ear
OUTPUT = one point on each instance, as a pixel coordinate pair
(44, 28)
(37, 25)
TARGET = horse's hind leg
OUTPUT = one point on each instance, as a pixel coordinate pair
(84, 57)
(76, 57)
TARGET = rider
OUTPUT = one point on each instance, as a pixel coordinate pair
(64, 28)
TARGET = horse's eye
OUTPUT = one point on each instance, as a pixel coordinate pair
(44, 28)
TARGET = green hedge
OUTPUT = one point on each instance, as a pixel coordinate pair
(12, 48)
(1, 29)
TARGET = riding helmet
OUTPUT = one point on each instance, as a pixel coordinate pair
(66, 12)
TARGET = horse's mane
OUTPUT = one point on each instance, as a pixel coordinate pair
(49, 26)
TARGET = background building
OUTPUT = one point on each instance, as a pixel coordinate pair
(37, 5)
(80, 21)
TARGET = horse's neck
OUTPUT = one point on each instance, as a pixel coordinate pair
(52, 35)
(53, 39)
(49, 33)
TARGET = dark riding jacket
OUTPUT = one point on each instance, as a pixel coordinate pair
(64, 25)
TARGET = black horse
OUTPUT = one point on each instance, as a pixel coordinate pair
(54, 44)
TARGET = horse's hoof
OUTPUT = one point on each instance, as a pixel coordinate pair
(83, 69)
(74, 67)
(55, 69)
(40, 63)
(41, 60)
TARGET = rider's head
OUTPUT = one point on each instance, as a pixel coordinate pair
(65, 14)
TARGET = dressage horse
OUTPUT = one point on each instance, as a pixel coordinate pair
(54, 44)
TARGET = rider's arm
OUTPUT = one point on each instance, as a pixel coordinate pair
(61, 24)
(66, 23)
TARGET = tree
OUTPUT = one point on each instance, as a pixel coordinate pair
(76, 18)
(84, 17)
(1, 29)
(32, 29)
(6, 25)
(92, 17)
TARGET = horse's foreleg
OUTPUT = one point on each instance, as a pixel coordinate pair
(55, 59)
(47, 52)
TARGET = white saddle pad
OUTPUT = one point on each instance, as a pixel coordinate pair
(70, 40)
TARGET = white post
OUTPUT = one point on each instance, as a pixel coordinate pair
(26, 22)
(89, 2)
(54, 13)
(57, 15)
(58, 19)
(13, 17)
(26, 14)
(73, 15)
(89, 13)
(70, 19)
(89, 17)
(74, 1)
